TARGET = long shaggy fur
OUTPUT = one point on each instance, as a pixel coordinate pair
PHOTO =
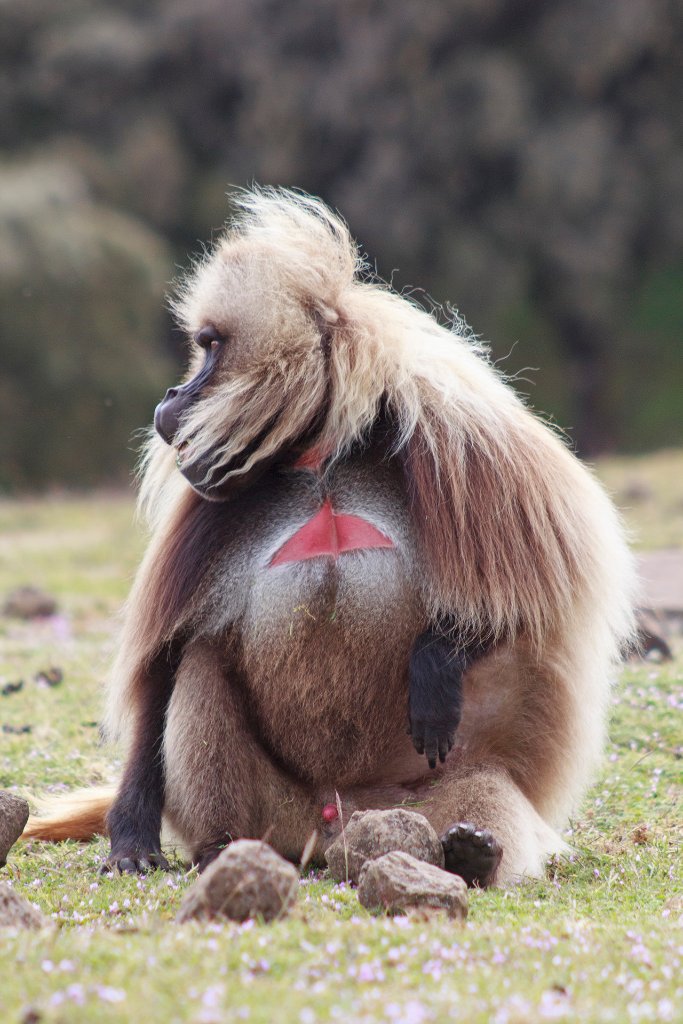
(513, 527)
(518, 541)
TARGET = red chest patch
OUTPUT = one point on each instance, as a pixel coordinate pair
(329, 534)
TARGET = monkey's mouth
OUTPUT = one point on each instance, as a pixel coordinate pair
(213, 477)
(183, 453)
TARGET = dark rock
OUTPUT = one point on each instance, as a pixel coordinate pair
(7, 689)
(13, 817)
(370, 834)
(248, 879)
(52, 676)
(29, 603)
(16, 912)
(651, 637)
(398, 882)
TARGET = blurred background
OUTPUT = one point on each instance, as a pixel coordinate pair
(521, 159)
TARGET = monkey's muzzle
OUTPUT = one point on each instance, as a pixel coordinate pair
(178, 400)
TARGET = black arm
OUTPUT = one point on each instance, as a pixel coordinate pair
(134, 821)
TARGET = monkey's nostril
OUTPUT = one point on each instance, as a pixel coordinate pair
(171, 393)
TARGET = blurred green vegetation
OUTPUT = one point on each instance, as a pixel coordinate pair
(81, 298)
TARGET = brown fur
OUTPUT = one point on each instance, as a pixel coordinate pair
(291, 685)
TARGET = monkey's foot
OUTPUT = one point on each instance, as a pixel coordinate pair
(134, 863)
(471, 852)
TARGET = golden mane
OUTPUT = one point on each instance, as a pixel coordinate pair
(517, 537)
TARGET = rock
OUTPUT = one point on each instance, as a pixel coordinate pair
(13, 818)
(16, 912)
(397, 882)
(7, 689)
(52, 676)
(370, 834)
(248, 879)
(651, 636)
(29, 603)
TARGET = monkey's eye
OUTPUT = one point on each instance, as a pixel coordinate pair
(208, 338)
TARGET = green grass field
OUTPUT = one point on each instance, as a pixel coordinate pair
(599, 939)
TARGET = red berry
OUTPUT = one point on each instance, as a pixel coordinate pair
(330, 812)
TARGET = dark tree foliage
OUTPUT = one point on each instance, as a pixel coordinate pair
(521, 159)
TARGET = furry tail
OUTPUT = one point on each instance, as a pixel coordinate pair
(80, 815)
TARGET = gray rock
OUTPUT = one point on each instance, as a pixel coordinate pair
(370, 834)
(16, 912)
(13, 818)
(398, 882)
(29, 603)
(248, 879)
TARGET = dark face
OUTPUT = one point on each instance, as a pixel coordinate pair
(179, 400)
(210, 483)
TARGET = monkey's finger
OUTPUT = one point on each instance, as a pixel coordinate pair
(444, 747)
(451, 739)
(431, 746)
(417, 732)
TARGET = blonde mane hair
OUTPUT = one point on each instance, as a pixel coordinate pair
(516, 536)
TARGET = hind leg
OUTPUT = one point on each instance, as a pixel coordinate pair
(531, 730)
(220, 782)
(490, 831)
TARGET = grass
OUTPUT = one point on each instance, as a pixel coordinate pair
(598, 939)
(649, 490)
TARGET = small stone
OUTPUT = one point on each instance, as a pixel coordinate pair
(248, 879)
(636, 491)
(16, 912)
(398, 882)
(13, 817)
(29, 603)
(7, 689)
(370, 834)
(52, 676)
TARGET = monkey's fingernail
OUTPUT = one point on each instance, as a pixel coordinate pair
(126, 866)
(431, 761)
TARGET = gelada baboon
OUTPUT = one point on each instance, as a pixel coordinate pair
(356, 525)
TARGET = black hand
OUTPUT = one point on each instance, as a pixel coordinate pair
(435, 694)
